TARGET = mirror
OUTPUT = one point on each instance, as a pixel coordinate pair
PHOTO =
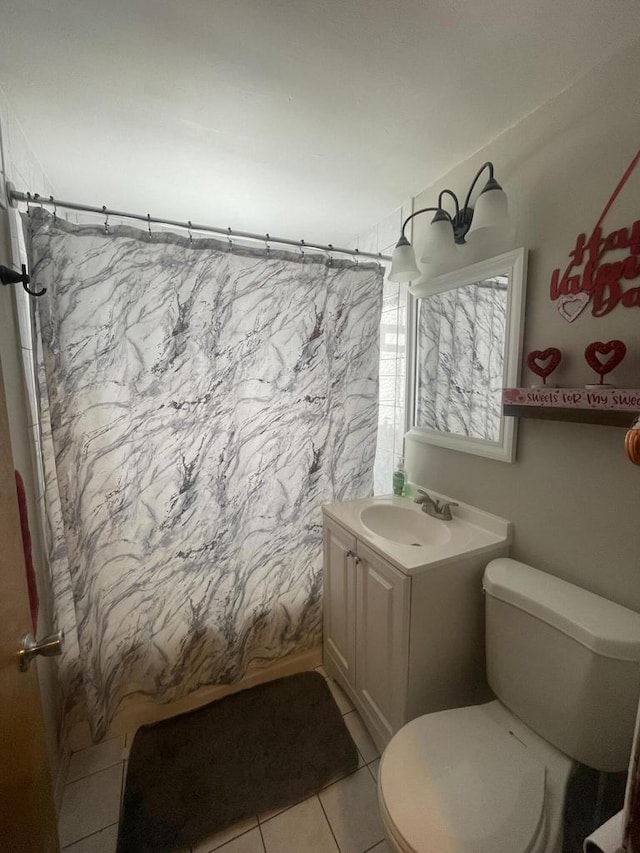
(467, 348)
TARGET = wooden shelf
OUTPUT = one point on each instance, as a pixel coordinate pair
(606, 406)
(581, 416)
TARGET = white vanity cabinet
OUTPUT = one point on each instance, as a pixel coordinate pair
(365, 627)
(402, 643)
(382, 640)
(339, 627)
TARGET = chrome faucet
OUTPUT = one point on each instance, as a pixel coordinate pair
(435, 508)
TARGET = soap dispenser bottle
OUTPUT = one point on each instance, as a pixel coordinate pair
(399, 479)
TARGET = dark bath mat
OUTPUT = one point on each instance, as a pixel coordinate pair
(260, 749)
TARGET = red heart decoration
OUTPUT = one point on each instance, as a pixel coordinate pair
(552, 356)
(616, 351)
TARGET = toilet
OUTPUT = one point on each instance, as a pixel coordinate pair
(564, 666)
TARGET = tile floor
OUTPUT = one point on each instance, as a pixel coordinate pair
(342, 818)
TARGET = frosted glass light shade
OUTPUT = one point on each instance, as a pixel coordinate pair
(491, 211)
(440, 244)
(403, 262)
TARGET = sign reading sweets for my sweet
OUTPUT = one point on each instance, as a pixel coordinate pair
(588, 278)
(618, 399)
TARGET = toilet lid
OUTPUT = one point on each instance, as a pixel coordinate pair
(457, 782)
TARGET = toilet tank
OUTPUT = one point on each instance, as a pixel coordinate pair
(566, 661)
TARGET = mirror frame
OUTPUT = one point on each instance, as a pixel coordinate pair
(513, 264)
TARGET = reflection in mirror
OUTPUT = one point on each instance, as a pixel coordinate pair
(467, 348)
(460, 359)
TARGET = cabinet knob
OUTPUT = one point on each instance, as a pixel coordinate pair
(350, 553)
(357, 561)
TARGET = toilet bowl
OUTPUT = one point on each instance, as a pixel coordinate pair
(484, 779)
(472, 780)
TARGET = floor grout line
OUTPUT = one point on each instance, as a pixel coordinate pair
(264, 846)
(326, 817)
(84, 837)
(373, 846)
(235, 837)
(96, 743)
(93, 773)
(341, 779)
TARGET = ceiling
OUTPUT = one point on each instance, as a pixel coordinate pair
(302, 118)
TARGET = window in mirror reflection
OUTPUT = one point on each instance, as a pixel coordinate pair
(460, 359)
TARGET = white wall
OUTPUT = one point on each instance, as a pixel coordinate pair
(573, 496)
(23, 170)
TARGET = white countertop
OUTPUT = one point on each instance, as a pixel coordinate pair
(471, 531)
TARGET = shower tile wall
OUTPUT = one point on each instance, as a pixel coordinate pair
(393, 339)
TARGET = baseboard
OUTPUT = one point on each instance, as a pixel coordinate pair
(140, 713)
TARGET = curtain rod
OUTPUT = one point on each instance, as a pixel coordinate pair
(15, 197)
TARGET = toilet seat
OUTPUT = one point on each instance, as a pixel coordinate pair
(457, 782)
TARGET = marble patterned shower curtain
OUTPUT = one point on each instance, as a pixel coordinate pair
(203, 405)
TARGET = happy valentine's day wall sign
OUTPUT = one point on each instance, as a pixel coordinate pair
(589, 279)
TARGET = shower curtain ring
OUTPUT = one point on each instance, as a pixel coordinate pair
(149, 224)
(302, 250)
(379, 264)
(329, 255)
(55, 208)
(189, 230)
(266, 242)
(106, 219)
(356, 258)
(229, 232)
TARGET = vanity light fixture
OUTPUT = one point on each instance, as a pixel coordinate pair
(446, 229)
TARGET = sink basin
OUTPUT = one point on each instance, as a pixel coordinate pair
(412, 541)
(405, 525)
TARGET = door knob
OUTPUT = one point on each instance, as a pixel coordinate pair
(48, 647)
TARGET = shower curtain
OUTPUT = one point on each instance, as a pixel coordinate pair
(203, 402)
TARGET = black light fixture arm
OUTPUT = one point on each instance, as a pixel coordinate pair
(461, 220)
(453, 196)
(489, 210)
(487, 165)
(417, 213)
(9, 276)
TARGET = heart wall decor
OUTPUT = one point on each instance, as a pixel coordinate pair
(603, 358)
(589, 277)
(544, 362)
(571, 305)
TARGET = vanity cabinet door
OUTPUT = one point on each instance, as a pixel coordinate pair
(339, 600)
(382, 641)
